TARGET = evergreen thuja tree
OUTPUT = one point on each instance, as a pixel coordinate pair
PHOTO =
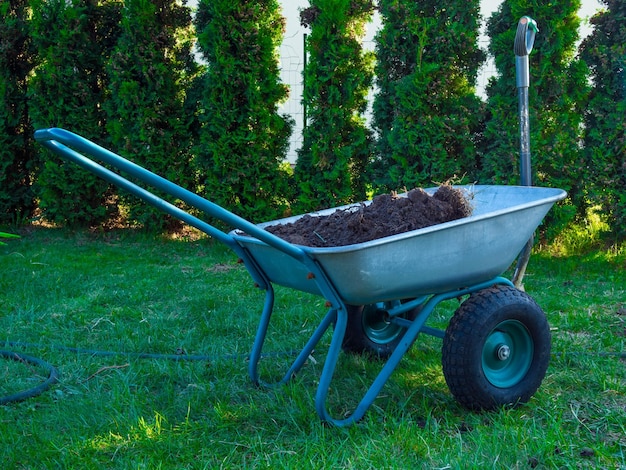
(604, 51)
(336, 143)
(557, 94)
(426, 113)
(17, 162)
(150, 69)
(243, 139)
(73, 39)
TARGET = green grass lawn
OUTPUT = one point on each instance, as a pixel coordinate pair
(91, 304)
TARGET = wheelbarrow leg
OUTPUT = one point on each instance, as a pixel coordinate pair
(303, 356)
(331, 361)
(413, 331)
(259, 339)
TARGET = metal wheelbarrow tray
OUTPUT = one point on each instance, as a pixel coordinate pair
(381, 293)
(431, 260)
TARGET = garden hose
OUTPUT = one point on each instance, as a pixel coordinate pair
(53, 377)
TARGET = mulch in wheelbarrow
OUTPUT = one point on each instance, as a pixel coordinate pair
(388, 214)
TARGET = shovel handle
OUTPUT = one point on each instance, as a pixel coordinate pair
(524, 41)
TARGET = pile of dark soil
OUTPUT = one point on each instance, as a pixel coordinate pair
(388, 214)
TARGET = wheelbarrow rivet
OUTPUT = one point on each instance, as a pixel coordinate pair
(329, 304)
(503, 352)
(310, 276)
(239, 261)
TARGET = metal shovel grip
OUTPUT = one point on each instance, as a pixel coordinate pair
(68, 145)
(525, 36)
(523, 46)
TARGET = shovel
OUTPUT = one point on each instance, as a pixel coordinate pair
(524, 40)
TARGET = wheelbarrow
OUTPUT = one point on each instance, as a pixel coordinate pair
(380, 293)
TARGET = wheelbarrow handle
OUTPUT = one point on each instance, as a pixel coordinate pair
(68, 145)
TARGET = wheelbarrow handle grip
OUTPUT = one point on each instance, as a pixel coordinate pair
(68, 145)
(525, 36)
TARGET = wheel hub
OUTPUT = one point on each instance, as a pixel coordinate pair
(377, 325)
(507, 354)
(503, 352)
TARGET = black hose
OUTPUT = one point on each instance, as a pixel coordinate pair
(53, 377)
(157, 356)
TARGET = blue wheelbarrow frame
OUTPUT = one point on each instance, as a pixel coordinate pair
(381, 268)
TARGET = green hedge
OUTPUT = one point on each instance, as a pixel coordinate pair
(73, 40)
(426, 113)
(243, 139)
(557, 95)
(123, 74)
(150, 68)
(17, 158)
(330, 169)
(605, 120)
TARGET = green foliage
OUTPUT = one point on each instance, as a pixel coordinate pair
(426, 113)
(583, 236)
(150, 68)
(557, 95)
(242, 138)
(73, 39)
(604, 51)
(330, 169)
(17, 162)
(7, 235)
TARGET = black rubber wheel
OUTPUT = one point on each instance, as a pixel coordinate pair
(496, 349)
(369, 330)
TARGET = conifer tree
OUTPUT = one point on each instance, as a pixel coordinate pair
(17, 162)
(150, 69)
(604, 51)
(243, 140)
(557, 94)
(336, 143)
(426, 113)
(73, 39)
